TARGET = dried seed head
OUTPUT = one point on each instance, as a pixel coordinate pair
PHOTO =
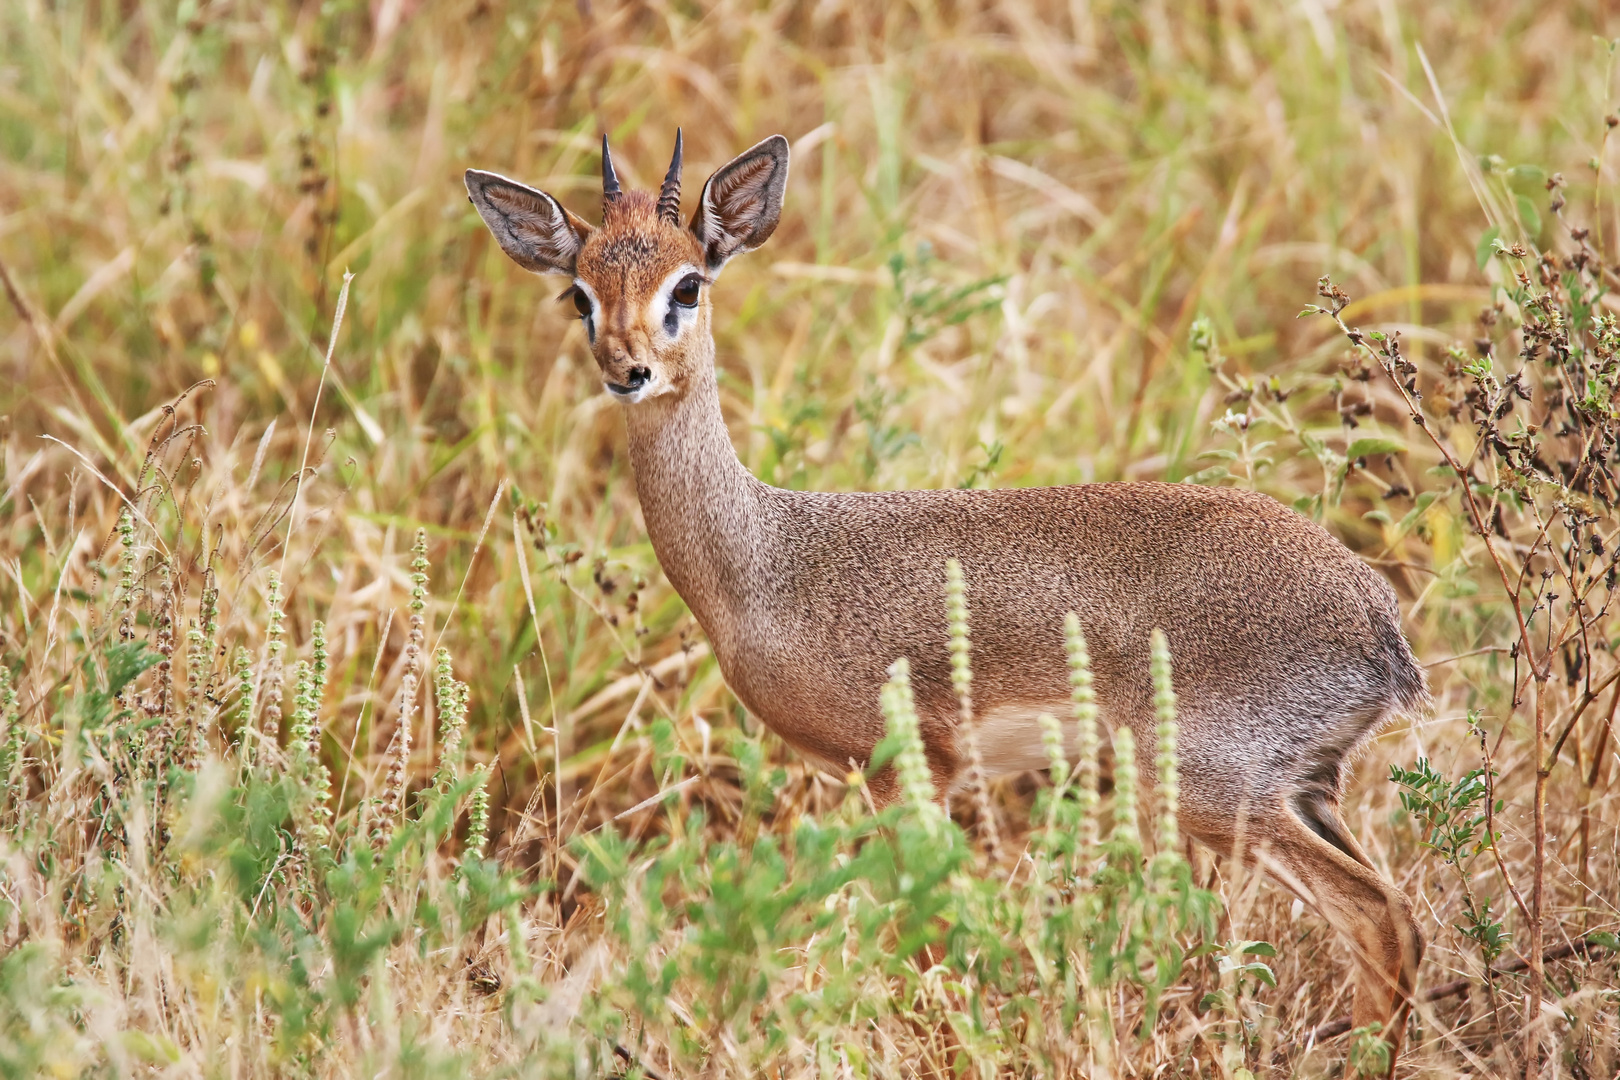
(317, 673)
(960, 646)
(956, 615)
(478, 819)
(392, 804)
(13, 743)
(1087, 739)
(124, 599)
(911, 763)
(244, 696)
(1165, 759)
(195, 735)
(1052, 742)
(451, 697)
(270, 682)
(1125, 827)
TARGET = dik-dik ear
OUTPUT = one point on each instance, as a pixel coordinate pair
(530, 225)
(742, 202)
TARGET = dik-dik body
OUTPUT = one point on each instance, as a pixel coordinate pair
(1288, 649)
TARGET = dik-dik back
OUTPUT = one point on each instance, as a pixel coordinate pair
(1287, 648)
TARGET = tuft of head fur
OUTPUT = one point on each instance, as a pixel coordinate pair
(634, 251)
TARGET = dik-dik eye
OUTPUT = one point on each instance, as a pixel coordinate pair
(582, 303)
(686, 292)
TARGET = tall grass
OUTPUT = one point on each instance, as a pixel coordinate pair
(253, 820)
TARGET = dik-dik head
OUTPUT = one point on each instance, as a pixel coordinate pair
(641, 280)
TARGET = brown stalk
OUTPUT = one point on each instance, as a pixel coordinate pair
(1540, 672)
(1598, 760)
(44, 332)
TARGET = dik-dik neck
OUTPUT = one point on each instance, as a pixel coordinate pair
(701, 505)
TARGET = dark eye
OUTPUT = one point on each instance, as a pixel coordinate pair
(686, 293)
(582, 303)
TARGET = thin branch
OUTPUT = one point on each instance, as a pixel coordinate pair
(309, 435)
(1332, 1029)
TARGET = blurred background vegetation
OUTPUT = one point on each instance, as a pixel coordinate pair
(1024, 243)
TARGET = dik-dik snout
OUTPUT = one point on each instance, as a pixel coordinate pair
(641, 280)
(626, 360)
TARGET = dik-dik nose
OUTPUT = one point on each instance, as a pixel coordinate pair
(625, 369)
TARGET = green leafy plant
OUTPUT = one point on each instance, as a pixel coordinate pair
(886, 916)
(1450, 814)
(928, 305)
(1453, 818)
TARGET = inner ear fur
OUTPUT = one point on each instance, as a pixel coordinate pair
(742, 202)
(531, 227)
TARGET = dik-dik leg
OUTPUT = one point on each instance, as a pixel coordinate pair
(1307, 847)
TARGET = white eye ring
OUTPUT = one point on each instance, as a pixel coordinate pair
(666, 309)
(587, 314)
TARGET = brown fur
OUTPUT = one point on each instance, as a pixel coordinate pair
(633, 252)
(1287, 648)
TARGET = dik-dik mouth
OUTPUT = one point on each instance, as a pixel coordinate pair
(637, 385)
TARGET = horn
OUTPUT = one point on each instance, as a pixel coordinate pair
(610, 180)
(669, 196)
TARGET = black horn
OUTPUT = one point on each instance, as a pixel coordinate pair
(610, 180)
(669, 196)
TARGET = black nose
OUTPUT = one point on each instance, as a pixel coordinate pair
(634, 380)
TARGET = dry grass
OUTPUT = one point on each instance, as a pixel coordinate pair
(179, 201)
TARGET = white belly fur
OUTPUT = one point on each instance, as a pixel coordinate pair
(1010, 737)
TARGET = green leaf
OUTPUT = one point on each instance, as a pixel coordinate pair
(1528, 215)
(1378, 516)
(1261, 972)
(1486, 249)
(1374, 445)
(883, 753)
(152, 1049)
(1220, 455)
(125, 662)
(1459, 588)
(1423, 502)
(1257, 948)
(1527, 176)
(1207, 476)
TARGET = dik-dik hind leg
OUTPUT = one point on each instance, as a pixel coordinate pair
(1308, 848)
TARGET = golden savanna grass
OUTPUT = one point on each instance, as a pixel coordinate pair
(1024, 243)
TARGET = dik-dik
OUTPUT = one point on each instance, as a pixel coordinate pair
(1288, 649)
